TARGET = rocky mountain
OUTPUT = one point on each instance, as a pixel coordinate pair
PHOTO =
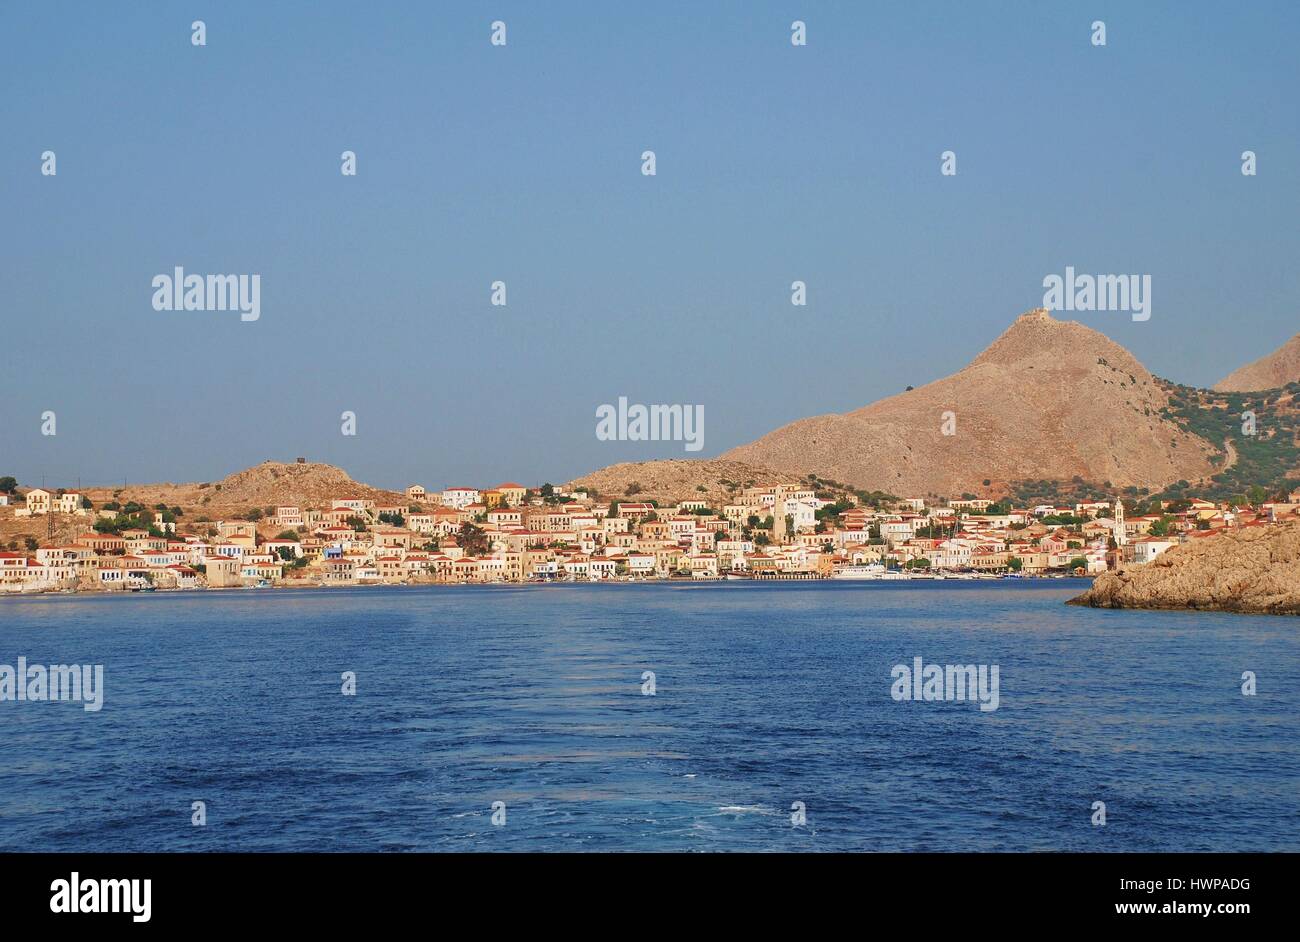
(1279, 368)
(310, 484)
(1048, 399)
(1255, 569)
(307, 485)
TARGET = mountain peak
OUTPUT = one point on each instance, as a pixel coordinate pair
(1048, 399)
(1279, 368)
(1036, 336)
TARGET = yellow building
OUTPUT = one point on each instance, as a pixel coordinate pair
(513, 494)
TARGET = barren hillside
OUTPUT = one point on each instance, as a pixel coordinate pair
(263, 485)
(678, 479)
(1048, 399)
(1279, 368)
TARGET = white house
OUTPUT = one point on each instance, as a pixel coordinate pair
(641, 564)
(355, 504)
(896, 531)
(804, 512)
(69, 503)
(288, 516)
(458, 498)
(1148, 548)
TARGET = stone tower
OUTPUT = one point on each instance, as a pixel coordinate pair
(778, 516)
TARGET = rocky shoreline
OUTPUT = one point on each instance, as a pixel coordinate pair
(1253, 570)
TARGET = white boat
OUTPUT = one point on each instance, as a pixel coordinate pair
(868, 571)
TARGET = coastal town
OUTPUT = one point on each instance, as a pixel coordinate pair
(516, 534)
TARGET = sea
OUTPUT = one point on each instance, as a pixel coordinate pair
(731, 716)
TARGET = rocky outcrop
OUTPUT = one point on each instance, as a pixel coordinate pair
(1255, 569)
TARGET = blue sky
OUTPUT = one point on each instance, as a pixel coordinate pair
(522, 163)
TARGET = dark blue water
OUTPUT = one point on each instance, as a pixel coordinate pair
(766, 695)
